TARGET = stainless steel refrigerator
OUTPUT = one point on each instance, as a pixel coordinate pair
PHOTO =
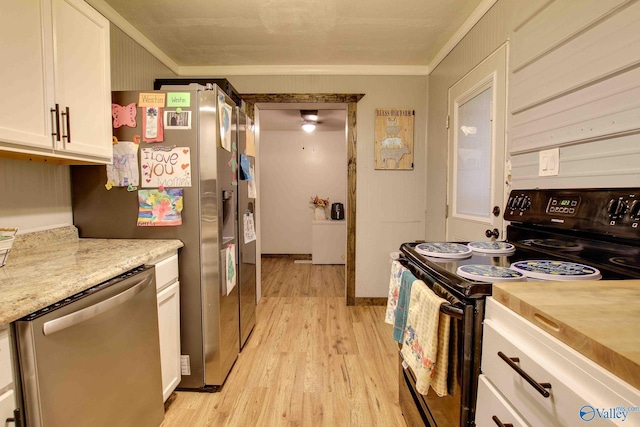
(210, 313)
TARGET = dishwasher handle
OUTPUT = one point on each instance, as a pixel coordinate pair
(72, 319)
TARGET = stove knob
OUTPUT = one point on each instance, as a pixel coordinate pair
(525, 203)
(617, 207)
(635, 209)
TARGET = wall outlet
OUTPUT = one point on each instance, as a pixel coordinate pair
(549, 162)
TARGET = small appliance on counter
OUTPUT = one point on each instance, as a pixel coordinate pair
(337, 211)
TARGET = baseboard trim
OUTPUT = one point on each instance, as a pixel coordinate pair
(370, 301)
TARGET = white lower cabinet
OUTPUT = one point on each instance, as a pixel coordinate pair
(492, 408)
(531, 378)
(7, 393)
(168, 288)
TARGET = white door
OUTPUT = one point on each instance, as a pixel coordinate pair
(476, 182)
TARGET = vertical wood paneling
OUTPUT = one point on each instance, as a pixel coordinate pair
(133, 67)
(35, 196)
(487, 36)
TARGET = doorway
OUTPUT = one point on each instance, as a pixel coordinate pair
(350, 100)
(476, 190)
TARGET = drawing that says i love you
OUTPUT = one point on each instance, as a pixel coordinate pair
(166, 166)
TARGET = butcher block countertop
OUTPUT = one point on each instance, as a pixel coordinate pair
(45, 267)
(599, 319)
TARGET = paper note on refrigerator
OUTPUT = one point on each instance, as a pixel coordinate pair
(165, 166)
(124, 169)
(230, 267)
(251, 184)
(160, 208)
(225, 111)
(249, 227)
(250, 148)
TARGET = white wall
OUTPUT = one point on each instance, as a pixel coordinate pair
(294, 166)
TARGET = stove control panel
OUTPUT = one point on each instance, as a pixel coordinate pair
(615, 212)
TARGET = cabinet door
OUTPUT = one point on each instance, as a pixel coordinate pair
(26, 75)
(82, 79)
(7, 405)
(169, 326)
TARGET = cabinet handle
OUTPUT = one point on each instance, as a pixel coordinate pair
(16, 419)
(67, 118)
(55, 113)
(540, 387)
(500, 423)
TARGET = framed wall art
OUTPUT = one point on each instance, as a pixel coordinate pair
(394, 139)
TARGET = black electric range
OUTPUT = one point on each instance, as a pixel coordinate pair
(595, 231)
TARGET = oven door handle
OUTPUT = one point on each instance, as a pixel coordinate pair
(72, 319)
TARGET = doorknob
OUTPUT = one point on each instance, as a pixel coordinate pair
(496, 210)
(492, 233)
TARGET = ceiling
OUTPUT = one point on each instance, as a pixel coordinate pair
(227, 37)
(209, 33)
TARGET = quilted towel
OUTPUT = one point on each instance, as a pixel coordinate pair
(426, 339)
(394, 291)
(402, 308)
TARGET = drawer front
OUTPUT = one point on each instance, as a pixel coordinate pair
(493, 408)
(570, 396)
(6, 373)
(166, 271)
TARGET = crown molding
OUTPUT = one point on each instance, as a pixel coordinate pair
(287, 70)
(290, 70)
(118, 20)
(462, 31)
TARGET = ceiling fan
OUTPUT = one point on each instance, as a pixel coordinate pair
(309, 120)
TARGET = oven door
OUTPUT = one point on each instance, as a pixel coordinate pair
(458, 408)
(431, 410)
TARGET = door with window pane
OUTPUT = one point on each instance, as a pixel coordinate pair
(476, 183)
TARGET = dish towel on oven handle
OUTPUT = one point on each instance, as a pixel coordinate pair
(402, 309)
(394, 291)
(425, 346)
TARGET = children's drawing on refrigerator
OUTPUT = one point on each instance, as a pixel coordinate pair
(167, 166)
(124, 169)
(160, 208)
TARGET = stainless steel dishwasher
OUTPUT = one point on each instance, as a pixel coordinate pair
(93, 359)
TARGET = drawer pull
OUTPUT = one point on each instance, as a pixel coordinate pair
(540, 387)
(500, 423)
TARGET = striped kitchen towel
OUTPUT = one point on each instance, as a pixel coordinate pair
(394, 291)
(402, 308)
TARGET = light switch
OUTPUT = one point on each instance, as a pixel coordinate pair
(549, 162)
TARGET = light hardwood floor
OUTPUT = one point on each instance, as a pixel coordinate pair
(311, 360)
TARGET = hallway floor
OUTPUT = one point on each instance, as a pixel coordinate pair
(311, 360)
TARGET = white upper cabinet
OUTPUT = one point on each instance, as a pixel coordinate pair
(56, 91)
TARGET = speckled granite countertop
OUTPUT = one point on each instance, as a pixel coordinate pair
(46, 267)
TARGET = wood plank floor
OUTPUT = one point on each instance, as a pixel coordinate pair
(311, 360)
